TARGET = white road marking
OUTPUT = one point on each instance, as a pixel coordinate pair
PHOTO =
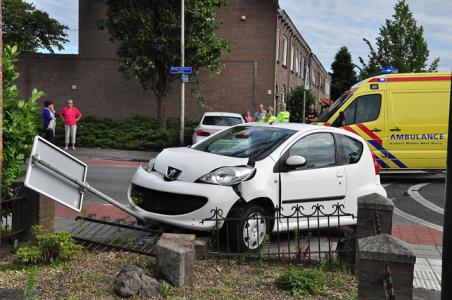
(416, 219)
(413, 192)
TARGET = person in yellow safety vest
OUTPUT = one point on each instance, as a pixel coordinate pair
(269, 117)
(283, 115)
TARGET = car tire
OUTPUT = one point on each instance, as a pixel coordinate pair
(247, 233)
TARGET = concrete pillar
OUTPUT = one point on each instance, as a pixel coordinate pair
(375, 253)
(176, 258)
(33, 209)
(368, 206)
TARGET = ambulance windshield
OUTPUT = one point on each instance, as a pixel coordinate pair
(327, 114)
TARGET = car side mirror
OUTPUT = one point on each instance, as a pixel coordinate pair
(296, 161)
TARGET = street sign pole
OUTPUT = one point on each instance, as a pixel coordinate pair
(182, 96)
(446, 278)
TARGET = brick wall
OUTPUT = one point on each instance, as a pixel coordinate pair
(92, 79)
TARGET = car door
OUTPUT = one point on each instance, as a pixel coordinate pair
(365, 116)
(320, 181)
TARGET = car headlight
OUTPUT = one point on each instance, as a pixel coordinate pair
(149, 166)
(229, 176)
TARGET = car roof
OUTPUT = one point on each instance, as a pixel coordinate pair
(223, 114)
(304, 128)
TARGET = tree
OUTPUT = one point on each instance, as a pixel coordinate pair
(400, 44)
(295, 103)
(343, 75)
(148, 36)
(31, 29)
(19, 122)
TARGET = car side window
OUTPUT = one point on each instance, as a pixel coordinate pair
(364, 109)
(351, 150)
(318, 149)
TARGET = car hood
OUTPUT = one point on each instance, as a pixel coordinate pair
(193, 164)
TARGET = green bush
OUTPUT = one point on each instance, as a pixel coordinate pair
(48, 248)
(19, 122)
(302, 281)
(134, 133)
(295, 103)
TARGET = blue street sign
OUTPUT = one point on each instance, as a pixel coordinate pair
(185, 78)
(181, 70)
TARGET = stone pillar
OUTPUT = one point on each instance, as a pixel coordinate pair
(34, 209)
(176, 259)
(374, 254)
(368, 206)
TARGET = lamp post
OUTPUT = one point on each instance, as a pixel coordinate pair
(182, 95)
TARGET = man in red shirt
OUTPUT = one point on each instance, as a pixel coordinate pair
(70, 115)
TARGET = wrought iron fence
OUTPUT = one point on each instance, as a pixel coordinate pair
(388, 285)
(299, 235)
(10, 229)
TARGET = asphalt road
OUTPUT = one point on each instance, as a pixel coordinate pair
(112, 181)
(417, 199)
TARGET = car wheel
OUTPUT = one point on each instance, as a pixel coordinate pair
(247, 234)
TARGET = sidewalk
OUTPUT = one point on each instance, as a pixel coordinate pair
(87, 154)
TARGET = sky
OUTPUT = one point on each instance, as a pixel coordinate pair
(325, 24)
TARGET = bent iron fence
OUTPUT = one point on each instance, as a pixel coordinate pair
(305, 242)
(10, 219)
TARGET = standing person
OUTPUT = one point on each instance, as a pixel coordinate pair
(310, 115)
(49, 123)
(71, 115)
(283, 115)
(248, 117)
(259, 113)
(269, 117)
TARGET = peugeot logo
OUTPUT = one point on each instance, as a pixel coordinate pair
(172, 173)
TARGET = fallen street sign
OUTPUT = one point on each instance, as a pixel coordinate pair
(45, 163)
(181, 70)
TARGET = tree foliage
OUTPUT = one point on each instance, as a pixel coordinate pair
(31, 29)
(400, 44)
(148, 36)
(19, 122)
(343, 75)
(295, 103)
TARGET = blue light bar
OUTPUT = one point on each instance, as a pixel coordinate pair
(389, 70)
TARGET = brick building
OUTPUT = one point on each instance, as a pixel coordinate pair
(268, 58)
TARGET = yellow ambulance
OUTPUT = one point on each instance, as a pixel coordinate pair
(403, 117)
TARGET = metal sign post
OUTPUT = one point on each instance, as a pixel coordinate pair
(62, 177)
(182, 96)
(446, 278)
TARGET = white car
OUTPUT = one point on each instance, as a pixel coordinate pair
(212, 122)
(257, 167)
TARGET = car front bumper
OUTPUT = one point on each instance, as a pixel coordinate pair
(178, 203)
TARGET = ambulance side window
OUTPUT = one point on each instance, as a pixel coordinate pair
(364, 109)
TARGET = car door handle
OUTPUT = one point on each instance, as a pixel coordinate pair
(395, 129)
(339, 175)
(376, 130)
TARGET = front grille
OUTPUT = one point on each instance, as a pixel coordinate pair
(165, 203)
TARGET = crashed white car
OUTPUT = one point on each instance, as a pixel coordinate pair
(257, 167)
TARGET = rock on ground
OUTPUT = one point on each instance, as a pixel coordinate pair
(133, 281)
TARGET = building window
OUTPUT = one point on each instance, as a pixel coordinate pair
(292, 55)
(277, 45)
(302, 67)
(297, 63)
(285, 49)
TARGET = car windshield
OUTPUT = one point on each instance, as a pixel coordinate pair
(221, 120)
(256, 142)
